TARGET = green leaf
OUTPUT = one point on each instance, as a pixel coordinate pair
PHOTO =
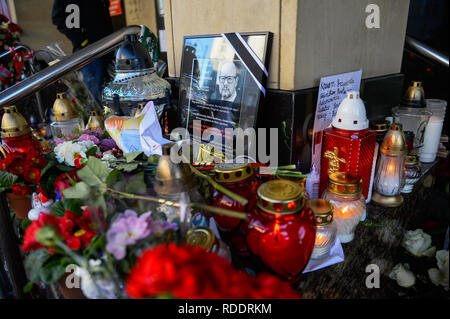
(28, 287)
(52, 271)
(51, 163)
(91, 151)
(64, 168)
(127, 167)
(7, 179)
(81, 191)
(97, 167)
(59, 208)
(114, 177)
(132, 156)
(136, 184)
(34, 262)
(153, 159)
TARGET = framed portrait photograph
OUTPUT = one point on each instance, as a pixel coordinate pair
(222, 82)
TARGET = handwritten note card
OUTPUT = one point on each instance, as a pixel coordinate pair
(332, 91)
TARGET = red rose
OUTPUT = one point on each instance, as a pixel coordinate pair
(62, 181)
(77, 162)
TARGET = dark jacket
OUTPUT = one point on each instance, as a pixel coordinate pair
(95, 21)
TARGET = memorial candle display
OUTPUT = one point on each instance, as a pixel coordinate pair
(344, 194)
(349, 145)
(390, 173)
(281, 231)
(16, 133)
(326, 228)
(65, 119)
(240, 179)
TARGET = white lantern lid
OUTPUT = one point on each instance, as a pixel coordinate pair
(351, 114)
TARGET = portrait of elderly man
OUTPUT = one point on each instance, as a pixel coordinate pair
(227, 81)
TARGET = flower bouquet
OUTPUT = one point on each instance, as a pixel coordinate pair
(110, 232)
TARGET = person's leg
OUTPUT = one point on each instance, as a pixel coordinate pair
(93, 77)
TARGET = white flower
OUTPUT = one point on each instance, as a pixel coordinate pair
(67, 152)
(403, 276)
(440, 276)
(418, 243)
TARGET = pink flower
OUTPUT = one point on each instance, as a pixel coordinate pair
(59, 141)
(87, 137)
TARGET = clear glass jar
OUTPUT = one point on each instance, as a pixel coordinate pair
(412, 113)
(205, 237)
(412, 173)
(349, 205)
(325, 229)
(66, 128)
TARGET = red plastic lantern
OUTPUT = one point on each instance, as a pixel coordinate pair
(349, 146)
(281, 231)
(240, 179)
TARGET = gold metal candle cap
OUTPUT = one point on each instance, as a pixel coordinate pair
(13, 123)
(343, 183)
(201, 236)
(280, 197)
(411, 160)
(233, 172)
(63, 109)
(380, 125)
(171, 177)
(322, 209)
(414, 95)
(96, 121)
(394, 142)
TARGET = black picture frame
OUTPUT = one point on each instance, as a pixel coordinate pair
(211, 91)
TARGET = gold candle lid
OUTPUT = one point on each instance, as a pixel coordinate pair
(394, 143)
(201, 236)
(411, 160)
(322, 209)
(343, 183)
(414, 95)
(280, 197)
(63, 109)
(380, 125)
(13, 123)
(232, 172)
(96, 121)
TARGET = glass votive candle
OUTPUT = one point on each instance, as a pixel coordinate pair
(325, 227)
(344, 194)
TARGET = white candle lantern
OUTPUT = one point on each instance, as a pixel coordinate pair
(344, 194)
(390, 173)
(325, 227)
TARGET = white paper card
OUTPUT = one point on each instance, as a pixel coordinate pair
(332, 90)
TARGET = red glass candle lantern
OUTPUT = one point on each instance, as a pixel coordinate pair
(16, 133)
(240, 179)
(348, 145)
(281, 231)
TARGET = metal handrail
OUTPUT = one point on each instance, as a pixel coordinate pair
(421, 48)
(74, 62)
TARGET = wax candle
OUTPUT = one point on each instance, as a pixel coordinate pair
(344, 194)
